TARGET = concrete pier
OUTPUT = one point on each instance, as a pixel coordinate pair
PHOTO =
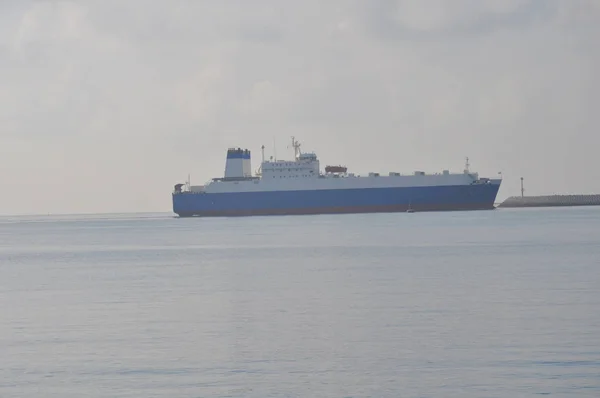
(551, 201)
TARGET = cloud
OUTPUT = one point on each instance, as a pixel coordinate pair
(428, 20)
(106, 104)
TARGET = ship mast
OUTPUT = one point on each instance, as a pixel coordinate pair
(296, 146)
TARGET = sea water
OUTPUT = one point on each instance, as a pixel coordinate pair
(502, 303)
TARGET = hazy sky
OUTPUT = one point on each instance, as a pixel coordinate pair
(105, 105)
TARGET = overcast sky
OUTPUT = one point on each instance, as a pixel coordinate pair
(105, 105)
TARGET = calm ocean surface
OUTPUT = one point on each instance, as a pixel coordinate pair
(501, 303)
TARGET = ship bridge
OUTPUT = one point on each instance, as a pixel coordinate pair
(304, 165)
(302, 168)
(307, 156)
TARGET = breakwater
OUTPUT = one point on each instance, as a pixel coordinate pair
(551, 201)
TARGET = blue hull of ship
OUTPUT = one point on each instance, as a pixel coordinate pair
(371, 200)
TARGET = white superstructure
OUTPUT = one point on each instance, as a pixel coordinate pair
(303, 173)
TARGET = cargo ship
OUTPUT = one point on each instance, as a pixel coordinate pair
(298, 186)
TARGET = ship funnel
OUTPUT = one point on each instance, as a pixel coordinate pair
(238, 163)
